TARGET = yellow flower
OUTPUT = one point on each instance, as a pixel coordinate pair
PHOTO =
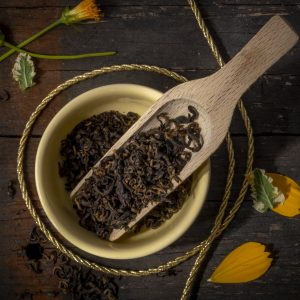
(245, 263)
(85, 10)
(291, 190)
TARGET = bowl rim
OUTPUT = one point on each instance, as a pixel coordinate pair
(205, 174)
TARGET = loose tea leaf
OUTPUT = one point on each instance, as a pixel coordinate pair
(11, 189)
(140, 172)
(34, 251)
(90, 140)
(25, 296)
(23, 71)
(79, 282)
(169, 273)
(167, 209)
(37, 236)
(4, 95)
(83, 284)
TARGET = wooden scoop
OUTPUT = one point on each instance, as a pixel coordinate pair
(215, 98)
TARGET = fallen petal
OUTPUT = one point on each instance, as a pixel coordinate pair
(291, 190)
(245, 263)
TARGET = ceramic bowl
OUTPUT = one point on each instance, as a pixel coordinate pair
(56, 201)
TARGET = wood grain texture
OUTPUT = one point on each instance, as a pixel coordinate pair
(181, 48)
(214, 97)
(162, 33)
(249, 225)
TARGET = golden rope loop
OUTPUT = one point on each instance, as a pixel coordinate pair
(220, 224)
(28, 202)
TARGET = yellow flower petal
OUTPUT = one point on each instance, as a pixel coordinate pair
(249, 251)
(87, 9)
(245, 273)
(291, 190)
(245, 263)
(246, 259)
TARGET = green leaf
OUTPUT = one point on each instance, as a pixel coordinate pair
(23, 71)
(265, 195)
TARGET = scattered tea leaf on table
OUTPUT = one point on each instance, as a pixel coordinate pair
(23, 71)
(265, 194)
(4, 95)
(245, 263)
(11, 189)
(78, 282)
(291, 191)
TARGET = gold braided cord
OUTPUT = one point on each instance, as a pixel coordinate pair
(32, 210)
(219, 225)
(206, 33)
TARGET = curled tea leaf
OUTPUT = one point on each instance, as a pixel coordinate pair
(4, 95)
(245, 263)
(89, 141)
(23, 71)
(11, 189)
(140, 172)
(291, 191)
(265, 195)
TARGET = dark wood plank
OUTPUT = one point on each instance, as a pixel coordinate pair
(71, 3)
(142, 41)
(249, 225)
(143, 30)
(272, 103)
(161, 33)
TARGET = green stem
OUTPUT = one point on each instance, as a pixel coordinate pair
(45, 56)
(29, 40)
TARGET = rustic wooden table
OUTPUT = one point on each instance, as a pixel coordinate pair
(162, 33)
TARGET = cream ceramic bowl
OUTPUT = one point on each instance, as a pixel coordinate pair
(56, 202)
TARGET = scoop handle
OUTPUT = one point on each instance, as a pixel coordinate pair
(271, 42)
